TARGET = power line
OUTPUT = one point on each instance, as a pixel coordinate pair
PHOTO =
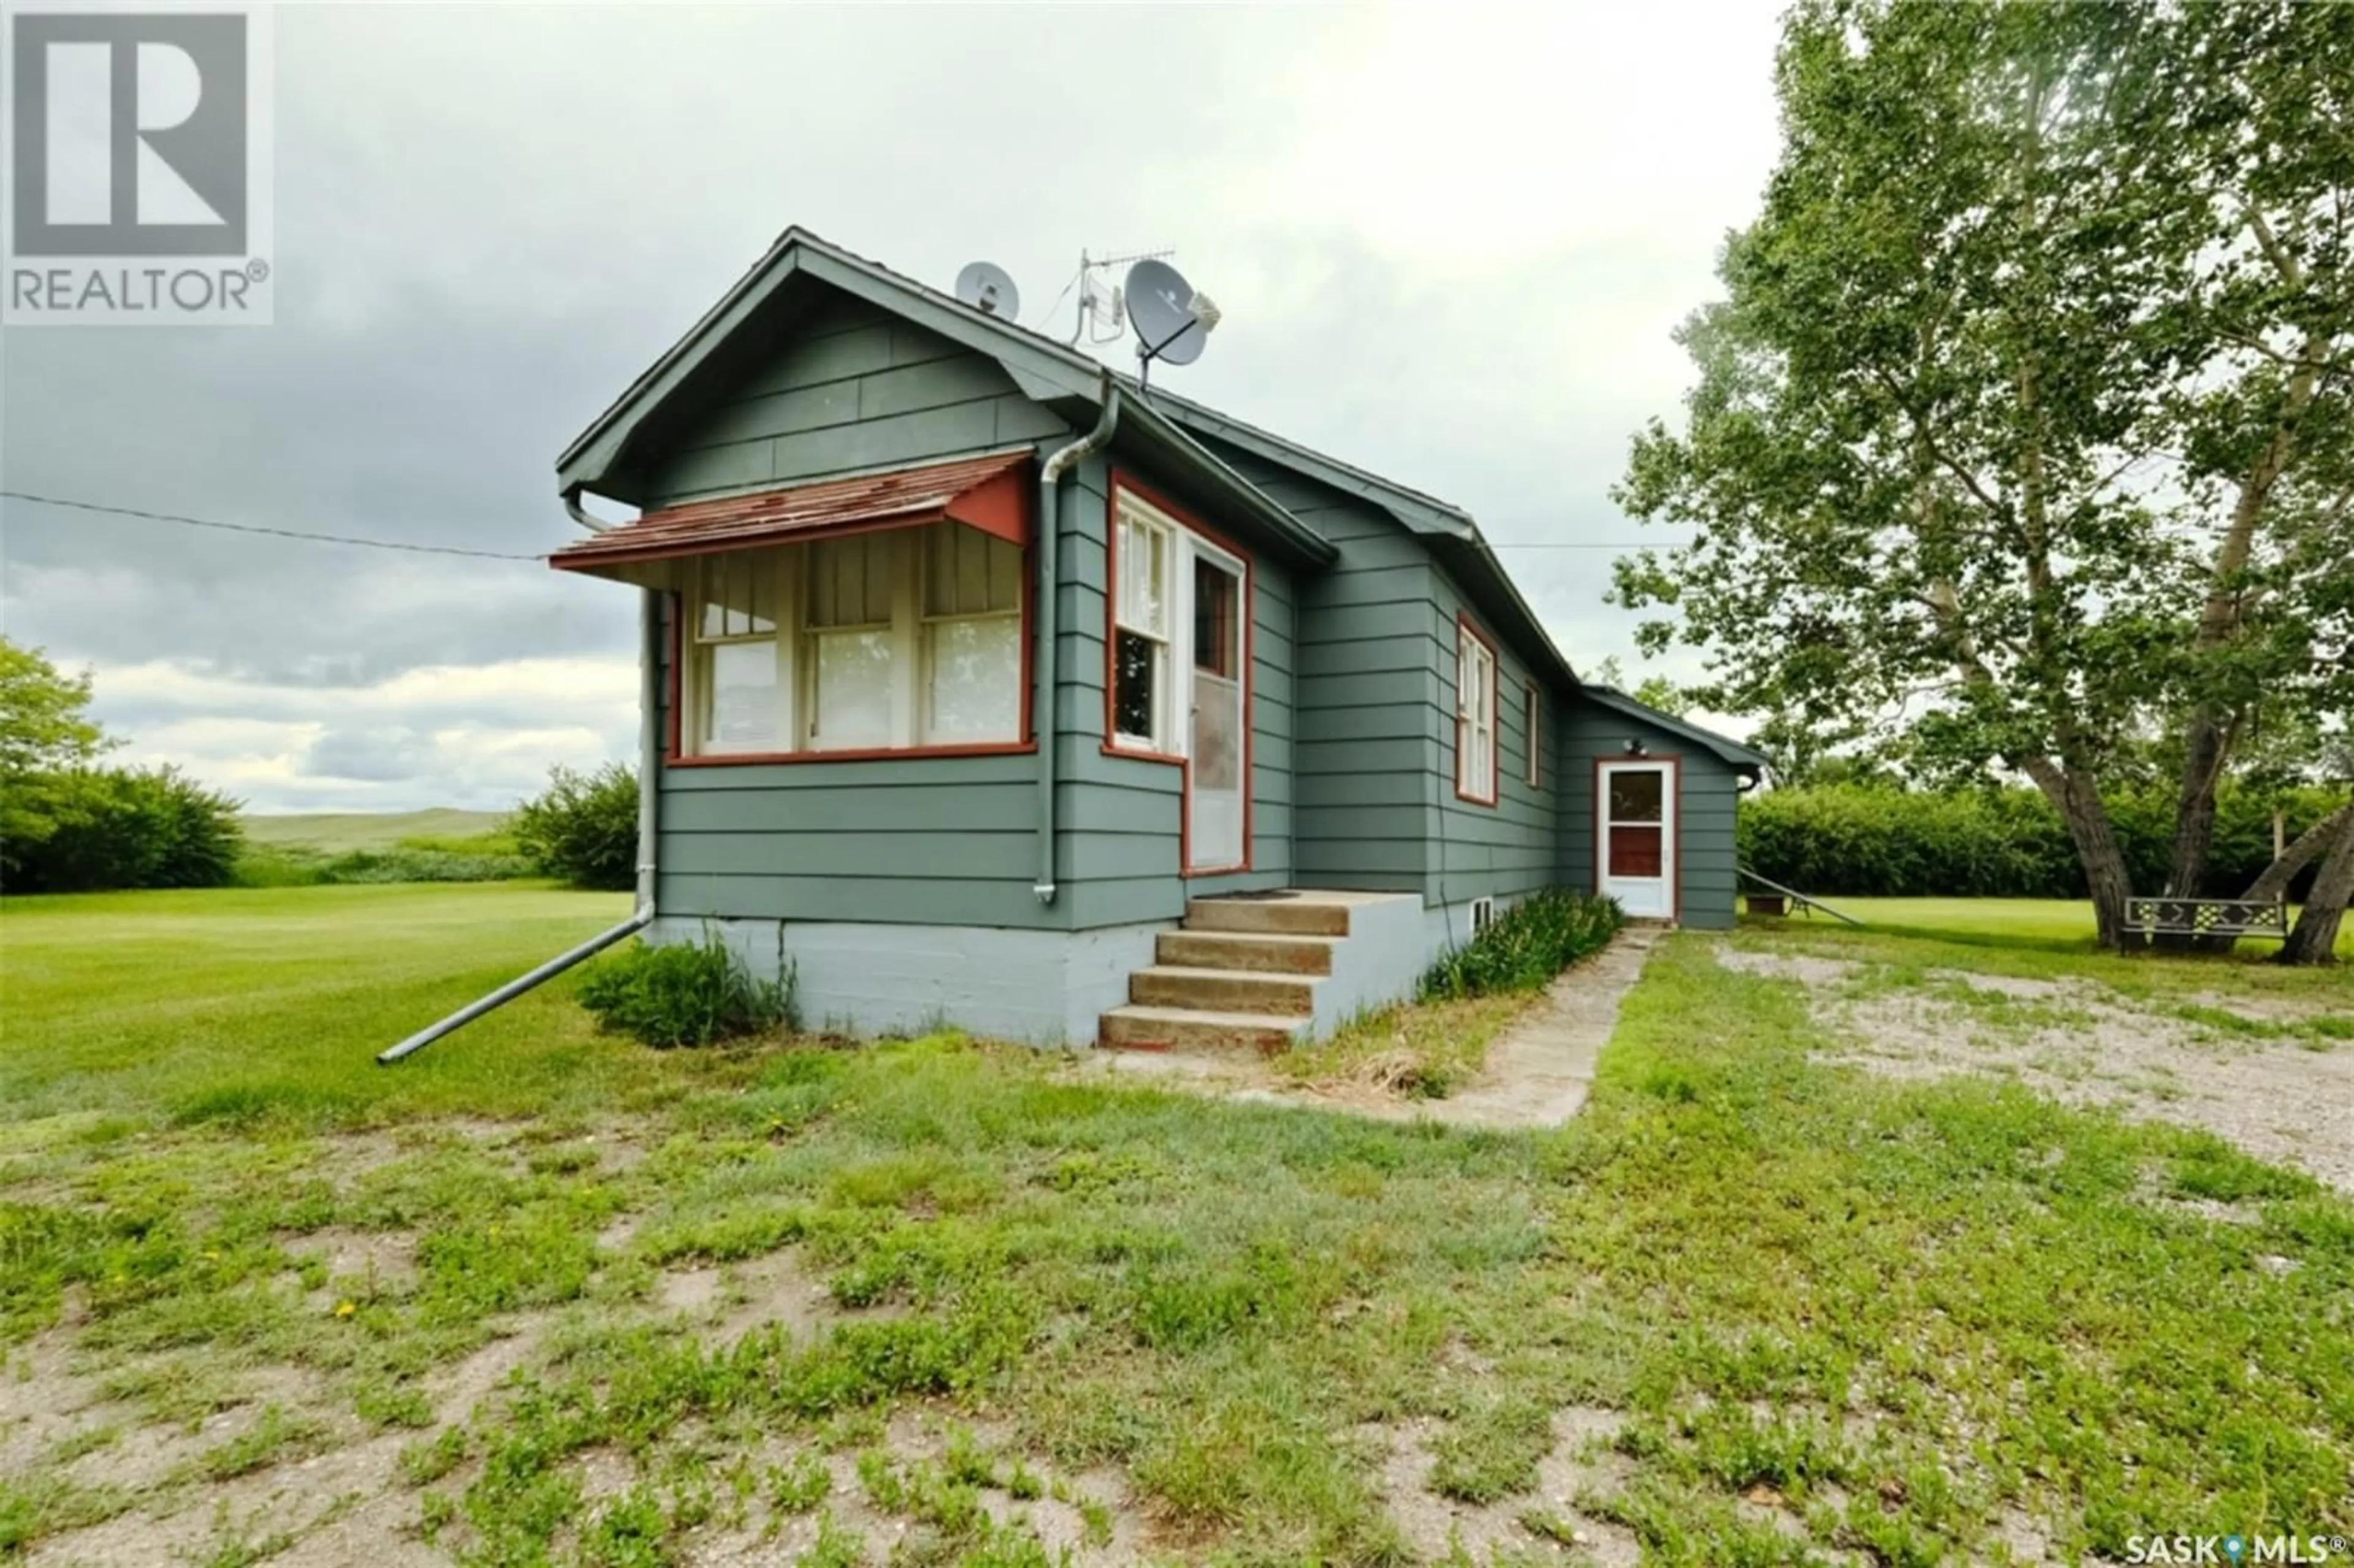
(515, 555)
(272, 533)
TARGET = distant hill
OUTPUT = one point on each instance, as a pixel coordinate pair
(341, 831)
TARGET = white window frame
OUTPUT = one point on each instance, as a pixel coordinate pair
(899, 734)
(1475, 720)
(797, 665)
(1532, 710)
(1160, 530)
(696, 720)
(927, 622)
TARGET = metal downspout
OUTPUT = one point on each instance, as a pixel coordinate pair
(1050, 528)
(650, 651)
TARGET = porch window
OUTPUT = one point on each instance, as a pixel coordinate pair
(899, 639)
(1145, 546)
(850, 640)
(1534, 701)
(972, 636)
(736, 647)
(1475, 716)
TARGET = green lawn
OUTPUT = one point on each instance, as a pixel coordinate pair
(338, 832)
(2053, 922)
(539, 1296)
(240, 1003)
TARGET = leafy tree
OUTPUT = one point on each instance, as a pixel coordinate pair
(45, 732)
(2014, 429)
(43, 715)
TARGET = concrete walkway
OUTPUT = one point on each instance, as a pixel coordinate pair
(1540, 1070)
(1537, 1072)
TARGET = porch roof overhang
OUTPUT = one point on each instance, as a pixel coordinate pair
(991, 492)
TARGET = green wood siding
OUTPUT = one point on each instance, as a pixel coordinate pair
(936, 841)
(1365, 684)
(849, 387)
(1376, 718)
(1511, 847)
(1147, 797)
(1704, 804)
(947, 840)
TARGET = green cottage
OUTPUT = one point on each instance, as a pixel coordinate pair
(988, 691)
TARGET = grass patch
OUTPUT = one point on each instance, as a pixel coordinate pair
(1788, 1277)
(1422, 1050)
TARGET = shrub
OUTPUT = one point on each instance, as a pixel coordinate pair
(1524, 947)
(583, 827)
(1877, 842)
(685, 994)
(120, 827)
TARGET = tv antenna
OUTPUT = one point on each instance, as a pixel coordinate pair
(989, 289)
(1103, 305)
(1172, 323)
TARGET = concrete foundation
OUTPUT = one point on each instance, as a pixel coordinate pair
(1044, 987)
(1049, 988)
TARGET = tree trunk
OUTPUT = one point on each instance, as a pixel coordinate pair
(2194, 805)
(2315, 940)
(2287, 863)
(2076, 796)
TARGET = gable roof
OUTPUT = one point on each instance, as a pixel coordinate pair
(1073, 384)
(1731, 752)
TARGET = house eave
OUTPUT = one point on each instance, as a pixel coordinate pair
(1725, 750)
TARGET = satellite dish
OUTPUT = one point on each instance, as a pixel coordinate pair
(987, 288)
(1173, 321)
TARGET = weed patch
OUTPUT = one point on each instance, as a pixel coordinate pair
(685, 994)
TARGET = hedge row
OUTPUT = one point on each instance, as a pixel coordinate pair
(84, 829)
(1878, 843)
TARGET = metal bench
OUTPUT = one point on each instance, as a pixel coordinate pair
(2207, 917)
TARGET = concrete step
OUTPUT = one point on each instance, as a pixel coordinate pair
(1139, 1028)
(1247, 950)
(1291, 916)
(1223, 991)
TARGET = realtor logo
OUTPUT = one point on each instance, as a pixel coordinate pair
(138, 164)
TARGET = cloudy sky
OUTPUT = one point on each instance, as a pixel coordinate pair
(1450, 245)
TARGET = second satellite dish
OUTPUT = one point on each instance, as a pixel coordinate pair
(1173, 321)
(987, 288)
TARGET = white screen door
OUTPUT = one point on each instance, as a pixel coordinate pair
(1211, 630)
(1638, 847)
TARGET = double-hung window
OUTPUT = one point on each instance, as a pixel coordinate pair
(898, 640)
(1144, 548)
(1475, 716)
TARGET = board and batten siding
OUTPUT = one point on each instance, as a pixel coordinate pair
(1705, 802)
(933, 840)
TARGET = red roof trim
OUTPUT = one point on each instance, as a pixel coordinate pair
(985, 492)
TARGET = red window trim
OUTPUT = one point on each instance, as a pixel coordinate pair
(675, 755)
(1495, 742)
(1123, 480)
(1673, 846)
